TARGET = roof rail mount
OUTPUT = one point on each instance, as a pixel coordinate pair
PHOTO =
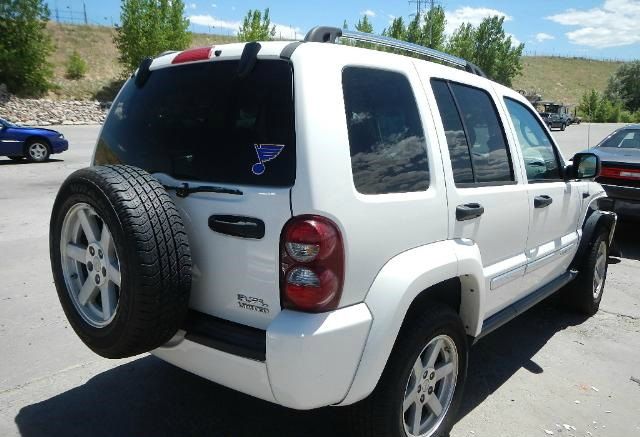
(327, 34)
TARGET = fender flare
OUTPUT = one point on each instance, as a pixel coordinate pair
(595, 221)
(395, 288)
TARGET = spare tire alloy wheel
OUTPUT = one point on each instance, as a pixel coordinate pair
(37, 151)
(120, 259)
(430, 387)
(90, 265)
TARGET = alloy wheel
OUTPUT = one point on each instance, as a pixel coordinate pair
(90, 265)
(430, 387)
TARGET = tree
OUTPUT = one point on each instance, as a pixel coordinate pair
(345, 26)
(148, 28)
(433, 29)
(364, 25)
(76, 66)
(414, 32)
(624, 86)
(462, 43)
(256, 26)
(397, 29)
(25, 46)
(489, 47)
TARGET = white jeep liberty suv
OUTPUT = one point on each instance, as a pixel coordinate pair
(316, 224)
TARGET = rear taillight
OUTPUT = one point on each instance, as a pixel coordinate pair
(311, 264)
(192, 55)
(620, 173)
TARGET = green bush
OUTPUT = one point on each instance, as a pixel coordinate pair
(627, 117)
(76, 66)
(24, 47)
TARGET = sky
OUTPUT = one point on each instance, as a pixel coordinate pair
(607, 29)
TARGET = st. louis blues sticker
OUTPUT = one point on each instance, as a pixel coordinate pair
(265, 152)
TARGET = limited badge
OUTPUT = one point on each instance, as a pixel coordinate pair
(265, 152)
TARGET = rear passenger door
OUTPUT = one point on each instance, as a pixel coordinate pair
(487, 198)
(554, 202)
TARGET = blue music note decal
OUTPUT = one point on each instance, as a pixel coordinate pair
(265, 152)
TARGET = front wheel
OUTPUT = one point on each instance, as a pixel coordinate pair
(563, 127)
(421, 388)
(584, 294)
(38, 151)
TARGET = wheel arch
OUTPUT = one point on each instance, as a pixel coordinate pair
(599, 217)
(448, 272)
(31, 138)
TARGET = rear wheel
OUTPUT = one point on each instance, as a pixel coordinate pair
(120, 259)
(38, 151)
(421, 388)
(584, 294)
(563, 127)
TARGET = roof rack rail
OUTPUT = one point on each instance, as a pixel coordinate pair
(331, 35)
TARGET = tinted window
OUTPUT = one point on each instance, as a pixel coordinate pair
(456, 138)
(540, 158)
(471, 122)
(200, 121)
(388, 149)
(625, 139)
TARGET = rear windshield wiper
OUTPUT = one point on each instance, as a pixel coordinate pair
(184, 190)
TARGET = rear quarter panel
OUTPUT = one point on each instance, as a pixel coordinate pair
(375, 228)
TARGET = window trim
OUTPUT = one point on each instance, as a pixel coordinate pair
(421, 122)
(551, 141)
(514, 181)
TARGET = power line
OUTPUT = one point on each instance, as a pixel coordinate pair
(421, 5)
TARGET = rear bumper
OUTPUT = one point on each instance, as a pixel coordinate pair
(310, 359)
(626, 200)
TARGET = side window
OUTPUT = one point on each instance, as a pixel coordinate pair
(387, 142)
(540, 158)
(476, 140)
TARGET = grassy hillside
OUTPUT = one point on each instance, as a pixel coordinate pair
(95, 45)
(561, 79)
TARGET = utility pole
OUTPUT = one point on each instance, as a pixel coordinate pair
(418, 4)
(421, 5)
(84, 6)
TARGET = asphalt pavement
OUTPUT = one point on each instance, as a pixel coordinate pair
(549, 371)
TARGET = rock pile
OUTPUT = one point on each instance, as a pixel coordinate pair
(45, 112)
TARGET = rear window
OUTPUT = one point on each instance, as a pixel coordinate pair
(200, 121)
(624, 139)
(387, 142)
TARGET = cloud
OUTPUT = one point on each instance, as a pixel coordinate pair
(288, 32)
(613, 24)
(515, 42)
(192, 5)
(213, 5)
(368, 12)
(282, 31)
(208, 20)
(542, 37)
(471, 15)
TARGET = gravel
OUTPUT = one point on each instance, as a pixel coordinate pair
(47, 112)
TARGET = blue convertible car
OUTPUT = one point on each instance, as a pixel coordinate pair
(35, 144)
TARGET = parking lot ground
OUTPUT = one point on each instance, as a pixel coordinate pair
(547, 369)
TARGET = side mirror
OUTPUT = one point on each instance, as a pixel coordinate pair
(584, 166)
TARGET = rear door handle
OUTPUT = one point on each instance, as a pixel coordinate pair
(542, 201)
(469, 211)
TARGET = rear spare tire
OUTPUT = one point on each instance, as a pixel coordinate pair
(120, 259)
